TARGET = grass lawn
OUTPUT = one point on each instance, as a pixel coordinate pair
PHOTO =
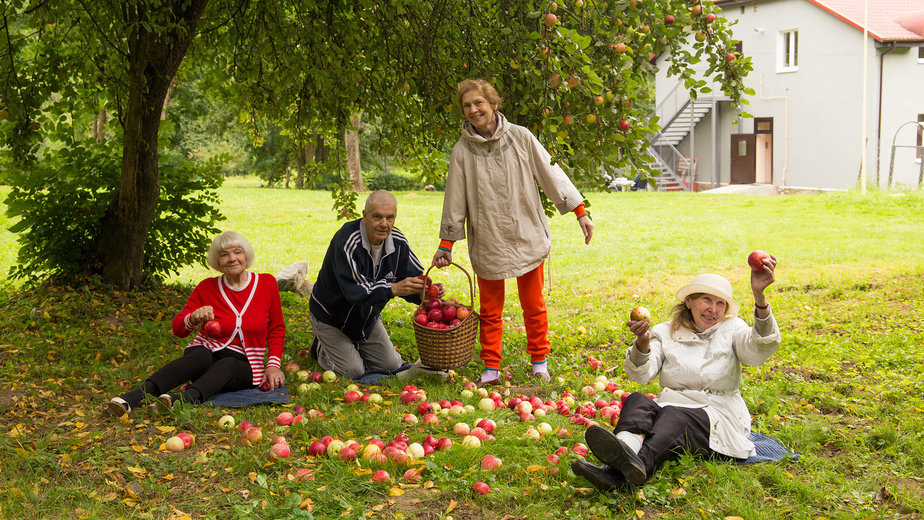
(844, 389)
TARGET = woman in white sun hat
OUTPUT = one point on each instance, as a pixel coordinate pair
(697, 356)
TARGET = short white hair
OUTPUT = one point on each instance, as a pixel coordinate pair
(227, 240)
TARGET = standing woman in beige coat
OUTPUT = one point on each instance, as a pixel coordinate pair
(492, 199)
(697, 359)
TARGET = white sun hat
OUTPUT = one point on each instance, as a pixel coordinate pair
(713, 284)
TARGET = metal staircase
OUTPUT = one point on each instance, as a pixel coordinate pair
(678, 115)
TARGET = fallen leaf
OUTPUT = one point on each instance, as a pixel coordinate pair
(307, 504)
(165, 429)
(395, 492)
(534, 468)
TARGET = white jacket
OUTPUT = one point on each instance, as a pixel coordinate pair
(491, 193)
(703, 370)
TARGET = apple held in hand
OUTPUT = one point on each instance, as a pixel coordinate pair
(756, 260)
(640, 314)
(212, 329)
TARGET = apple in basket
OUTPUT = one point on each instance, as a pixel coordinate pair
(449, 313)
(463, 312)
(421, 319)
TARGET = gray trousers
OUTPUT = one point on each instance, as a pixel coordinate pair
(345, 357)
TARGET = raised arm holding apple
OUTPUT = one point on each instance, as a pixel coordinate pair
(697, 358)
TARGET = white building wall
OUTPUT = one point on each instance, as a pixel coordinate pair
(902, 103)
(817, 109)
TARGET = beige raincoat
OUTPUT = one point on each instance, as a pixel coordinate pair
(703, 370)
(492, 194)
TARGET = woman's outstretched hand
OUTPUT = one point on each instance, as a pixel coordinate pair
(642, 335)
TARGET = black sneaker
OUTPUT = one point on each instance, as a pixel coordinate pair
(616, 453)
(313, 351)
(603, 478)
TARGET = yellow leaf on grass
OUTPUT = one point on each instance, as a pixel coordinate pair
(386, 403)
(733, 518)
(534, 468)
(17, 431)
(307, 504)
(136, 471)
(379, 507)
(452, 505)
(166, 429)
(395, 492)
(359, 472)
(639, 513)
(137, 448)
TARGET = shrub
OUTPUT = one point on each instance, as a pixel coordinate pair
(61, 200)
(389, 181)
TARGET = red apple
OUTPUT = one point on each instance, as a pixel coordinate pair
(381, 476)
(348, 454)
(304, 474)
(729, 57)
(668, 19)
(710, 18)
(187, 439)
(284, 419)
(434, 303)
(756, 260)
(433, 291)
(481, 488)
(550, 20)
(280, 450)
(253, 434)
(624, 125)
(463, 312)
(212, 329)
(435, 315)
(421, 319)
(449, 313)
(491, 463)
(444, 444)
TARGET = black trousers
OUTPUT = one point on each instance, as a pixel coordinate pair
(669, 430)
(210, 373)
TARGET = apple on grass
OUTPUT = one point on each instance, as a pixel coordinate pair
(412, 476)
(317, 448)
(481, 488)
(284, 419)
(381, 476)
(491, 463)
(329, 376)
(187, 439)
(253, 434)
(174, 444)
(226, 422)
(280, 450)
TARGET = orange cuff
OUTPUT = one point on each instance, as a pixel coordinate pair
(580, 211)
(446, 245)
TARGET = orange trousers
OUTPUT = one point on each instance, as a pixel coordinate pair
(535, 317)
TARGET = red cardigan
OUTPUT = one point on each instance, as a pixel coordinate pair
(262, 329)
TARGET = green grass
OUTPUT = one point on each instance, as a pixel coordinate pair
(844, 389)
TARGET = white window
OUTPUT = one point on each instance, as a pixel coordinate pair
(788, 51)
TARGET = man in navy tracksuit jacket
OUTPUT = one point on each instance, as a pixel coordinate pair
(368, 263)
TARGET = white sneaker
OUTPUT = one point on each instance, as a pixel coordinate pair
(118, 407)
(418, 369)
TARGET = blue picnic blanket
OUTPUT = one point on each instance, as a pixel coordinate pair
(375, 377)
(768, 449)
(250, 397)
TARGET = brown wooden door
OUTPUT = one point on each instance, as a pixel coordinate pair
(743, 159)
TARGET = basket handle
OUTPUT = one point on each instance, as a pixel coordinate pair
(471, 285)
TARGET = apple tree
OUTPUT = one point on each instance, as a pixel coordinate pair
(573, 72)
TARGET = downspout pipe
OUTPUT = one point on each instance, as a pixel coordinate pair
(879, 115)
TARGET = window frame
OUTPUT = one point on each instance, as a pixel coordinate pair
(787, 50)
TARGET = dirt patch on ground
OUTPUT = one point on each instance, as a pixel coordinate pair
(10, 397)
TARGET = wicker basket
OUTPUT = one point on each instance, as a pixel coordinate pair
(448, 348)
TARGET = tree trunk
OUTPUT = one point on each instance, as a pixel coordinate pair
(99, 126)
(288, 176)
(170, 89)
(153, 59)
(300, 168)
(351, 141)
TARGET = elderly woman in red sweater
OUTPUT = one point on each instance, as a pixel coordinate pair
(238, 322)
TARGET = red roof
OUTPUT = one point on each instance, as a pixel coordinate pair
(887, 20)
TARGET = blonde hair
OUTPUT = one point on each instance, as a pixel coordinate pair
(483, 87)
(227, 240)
